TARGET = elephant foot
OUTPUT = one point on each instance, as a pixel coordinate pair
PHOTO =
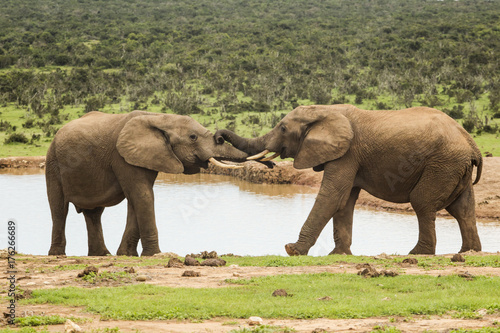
(57, 251)
(99, 253)
(340, 251)
(148, 253)
(295, 250)
(419, 249)
(127, 252)
(476, 248)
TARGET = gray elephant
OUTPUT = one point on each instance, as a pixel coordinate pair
(417, 155)
(100, 159)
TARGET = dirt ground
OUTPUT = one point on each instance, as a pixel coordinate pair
(42, 273)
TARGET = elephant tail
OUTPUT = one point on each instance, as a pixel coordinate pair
(478, 162)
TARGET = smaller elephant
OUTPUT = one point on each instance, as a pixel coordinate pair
(100, 159)
(417, 155)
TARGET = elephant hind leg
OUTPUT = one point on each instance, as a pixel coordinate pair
(463, 209)
(342, 225)
(59, 212)
(426, 199)
(94, 231)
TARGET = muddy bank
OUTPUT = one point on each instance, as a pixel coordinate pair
(22, 162)
(487, 191)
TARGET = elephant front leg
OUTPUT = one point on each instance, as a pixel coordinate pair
(131, 235)
(342, 225)
(144, 212)
(333, 195)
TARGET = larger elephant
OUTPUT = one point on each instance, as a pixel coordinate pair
(417, 155)
(100, 159)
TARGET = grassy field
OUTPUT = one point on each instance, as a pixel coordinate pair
(351, 296)
(247, 124)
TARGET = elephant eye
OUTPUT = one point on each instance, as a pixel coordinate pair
(193, 137)
(283, 129)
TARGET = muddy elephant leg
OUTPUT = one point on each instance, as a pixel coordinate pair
(143, 202)
(333, 195)
(426, 201)
(131, 236)
(464, 210)
(342, 225)
(59, 212)
(94, 231)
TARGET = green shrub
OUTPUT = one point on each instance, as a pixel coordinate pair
(16, 137)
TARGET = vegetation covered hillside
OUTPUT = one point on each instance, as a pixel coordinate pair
(242, 64)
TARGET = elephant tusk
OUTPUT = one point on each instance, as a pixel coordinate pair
(270, 158)
(259, 155)
(222, 165)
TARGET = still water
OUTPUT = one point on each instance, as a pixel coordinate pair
(207, 212)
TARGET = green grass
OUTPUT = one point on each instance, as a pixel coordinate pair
(352, 296)
(40, 320)
(434, 262)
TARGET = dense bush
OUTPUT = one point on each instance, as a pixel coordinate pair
(16, 137)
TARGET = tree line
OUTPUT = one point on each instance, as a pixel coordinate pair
(257, 55)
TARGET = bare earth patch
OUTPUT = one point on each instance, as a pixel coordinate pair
(43, 272)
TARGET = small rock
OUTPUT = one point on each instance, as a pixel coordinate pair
(236, 274)
(411, 261)
(388, 273)
(88, 270)
(166, 255)
(31, 283)
(252, 321)
(467, 276)
(191, 274)
(209, 255)
(369, 271)
(141, 278)
(458, 258)
(382, 256)
(482, 312)
(25, 295)
(214, 262)
(71, 327)
(234, 266)
(190, 261)
(326, 298)
(175, 262)
(280, 292)
(363, 266)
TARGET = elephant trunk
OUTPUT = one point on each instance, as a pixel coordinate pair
(228, 153)
(249, 146)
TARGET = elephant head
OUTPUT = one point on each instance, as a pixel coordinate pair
(172, 144)
(305, 134)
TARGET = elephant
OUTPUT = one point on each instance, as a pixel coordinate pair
(418, 155)
(100, 159)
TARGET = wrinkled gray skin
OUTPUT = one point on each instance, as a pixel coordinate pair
(417, 155)
(100, 159)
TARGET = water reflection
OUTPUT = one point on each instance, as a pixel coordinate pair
(206, 212)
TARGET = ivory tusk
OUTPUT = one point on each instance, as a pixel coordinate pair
(270, 158)
(222, 165)
(259, 155)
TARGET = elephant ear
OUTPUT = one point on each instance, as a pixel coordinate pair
(142, 143)
(327, 138)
